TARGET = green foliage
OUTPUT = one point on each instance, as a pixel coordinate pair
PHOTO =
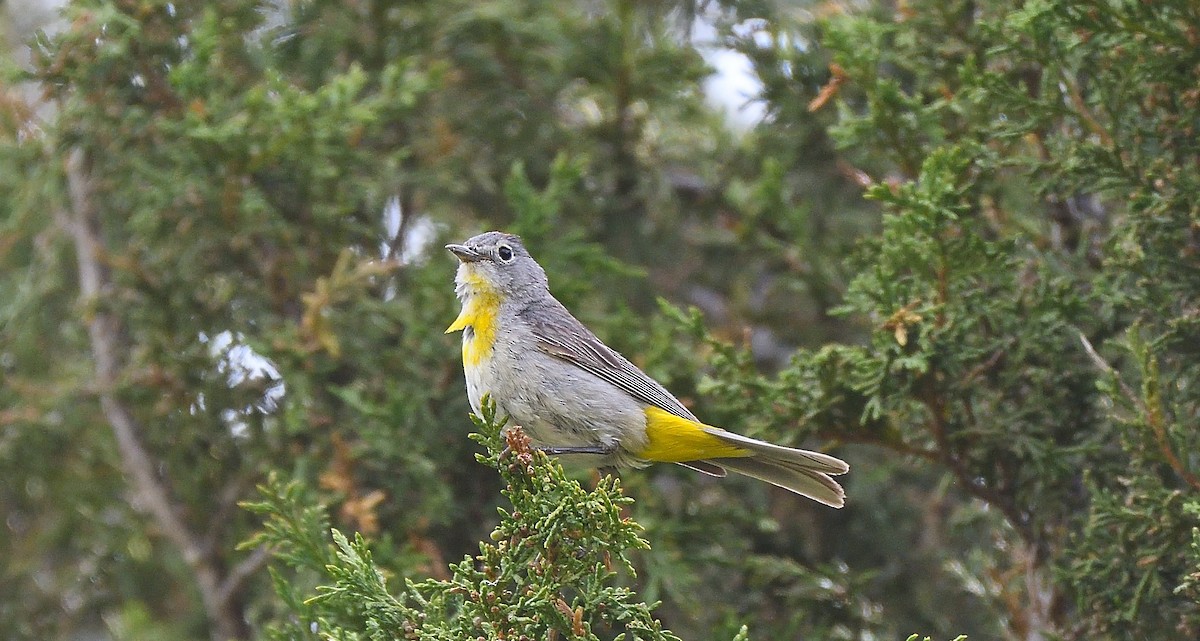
(962, 249)
(983, 293)
(552, 569)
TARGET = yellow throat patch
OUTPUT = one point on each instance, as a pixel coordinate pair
(478, 320)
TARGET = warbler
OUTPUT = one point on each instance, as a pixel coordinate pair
(575, 396)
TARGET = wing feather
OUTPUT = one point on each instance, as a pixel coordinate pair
(560, 335)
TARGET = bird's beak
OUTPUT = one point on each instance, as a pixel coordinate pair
(464, 253)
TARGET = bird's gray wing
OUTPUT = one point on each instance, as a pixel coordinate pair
(560, 335)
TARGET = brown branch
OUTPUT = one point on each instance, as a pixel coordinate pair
(237, 576)
(226, 503)
(854, 174)
(103, 334)
(1103, 366)
(1153, 415)
(1155, 419)
(991, 497)
(896, 446)
(1085, 114)
(982, 368)
(943, 454)
(150, 492)
(837, 77)
(937, 411)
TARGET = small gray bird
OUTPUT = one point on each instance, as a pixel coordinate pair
(573, 395)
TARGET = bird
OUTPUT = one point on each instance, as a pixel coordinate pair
(577, 398)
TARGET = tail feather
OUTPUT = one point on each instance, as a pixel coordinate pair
(800, 459)
(705, 467)
(805, 482)
(802, 471)
(673, 439)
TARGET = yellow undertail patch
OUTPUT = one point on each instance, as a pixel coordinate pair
(672, 439)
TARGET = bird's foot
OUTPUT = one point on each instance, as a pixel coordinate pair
(581, 449)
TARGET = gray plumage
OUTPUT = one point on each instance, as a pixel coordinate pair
(559, 334)
(572, 393)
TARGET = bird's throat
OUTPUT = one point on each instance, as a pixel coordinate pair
(477, 320)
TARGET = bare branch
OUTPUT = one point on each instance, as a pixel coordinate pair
(225, 503)
(102, 332)
(237, 576)
(1103, 366)
(150, 492)
(984, 367)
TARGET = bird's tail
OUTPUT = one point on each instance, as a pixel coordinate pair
(802, 471)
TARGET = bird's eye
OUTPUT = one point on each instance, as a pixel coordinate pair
(505, 253)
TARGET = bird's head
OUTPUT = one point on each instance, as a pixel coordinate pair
(497, 264)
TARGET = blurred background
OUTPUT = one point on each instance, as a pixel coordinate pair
(955, 243)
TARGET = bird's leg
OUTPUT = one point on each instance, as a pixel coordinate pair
(557, 451)
(581, 449)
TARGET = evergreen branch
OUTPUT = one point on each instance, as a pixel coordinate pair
(1153, 414)
(988, 495)
(946, 455)
(895, 445)
(549, 570)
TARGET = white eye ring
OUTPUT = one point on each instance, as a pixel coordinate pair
(505, 253)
